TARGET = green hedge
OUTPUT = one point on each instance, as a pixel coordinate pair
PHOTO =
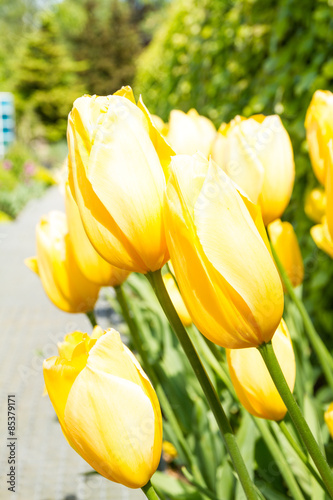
(244, 57)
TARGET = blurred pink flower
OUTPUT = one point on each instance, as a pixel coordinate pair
(7, 165)
(29, 168)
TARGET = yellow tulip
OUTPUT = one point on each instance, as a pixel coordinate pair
(219, 251)
(177, 299)
(322, 238)
(106, 406)
(315, 204)
(190, 132)
(57, 268)
(118, 164)
(319, 131)
(284, 240)
(329, 191)
(92, 265)
(252, 381)
(328, 415)
(257, 154)
(169, 451)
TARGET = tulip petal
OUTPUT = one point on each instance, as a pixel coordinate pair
(126, 92)
(285, 243)
(164, 151)
(240, 158)
(104, 234)
(329, 188)
(276, 153)
(190, 132)
(230, 239)
(91, 264)
(216, 308)
(123, 161)
(32, 264)
(112, 422)
(59, 375)
(71, 340)
(254, 387)
(322, 238)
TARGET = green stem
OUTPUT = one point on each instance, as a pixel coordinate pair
(163, 399)
(268, 355)
(191, 480)
(318, 345)
(300, 452)
(155, 279)
(149, 491)
(280, 459)
(203, 348)
(92, 318)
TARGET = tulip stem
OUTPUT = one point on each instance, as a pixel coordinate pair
(300, 453)
(168, 411)
(150, 492)
(280, 459)
(268, 355)
(156, 281)
(318, 345)
(92, 318)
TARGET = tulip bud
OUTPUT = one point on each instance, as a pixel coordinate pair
(190, 132)
(257, 154)
(106, 406)
(177, 299)
(319, 131)
(252, 381)
(315, 205)
(328, 415)
(322, 238)
(57, 268)
(219, 251)
(284, 241)
(91, 264)
(329, 190)
(118, 164)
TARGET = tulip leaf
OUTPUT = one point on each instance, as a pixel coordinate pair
(175, 488)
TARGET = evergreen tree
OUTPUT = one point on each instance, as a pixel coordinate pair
(108, 44)
(46, 84)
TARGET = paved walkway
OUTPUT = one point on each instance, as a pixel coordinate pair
(30, 326)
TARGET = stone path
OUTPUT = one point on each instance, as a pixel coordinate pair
(30, 326)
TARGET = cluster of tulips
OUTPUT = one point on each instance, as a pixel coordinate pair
(186, 207)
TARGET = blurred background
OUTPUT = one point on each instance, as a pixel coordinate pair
(221, 57)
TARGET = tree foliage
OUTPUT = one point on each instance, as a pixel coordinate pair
(46, 84)
(108, 43)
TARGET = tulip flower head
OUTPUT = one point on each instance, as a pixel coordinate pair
(328, 415)
(257, 154)
(252, 381)
(322, 237)
(319, 131)
(329, 190)
(118, 165)
(190, 132)
(107, 407)
(219, 251)
(57, 267)
(91, 264)
(285, 242)
(315, 205)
